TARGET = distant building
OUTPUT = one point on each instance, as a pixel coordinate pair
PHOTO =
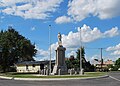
(104, 66)
(109, 62)
(33, 66)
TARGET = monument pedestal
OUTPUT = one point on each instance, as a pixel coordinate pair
(60, 67)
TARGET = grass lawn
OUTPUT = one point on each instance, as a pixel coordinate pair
(87, 74)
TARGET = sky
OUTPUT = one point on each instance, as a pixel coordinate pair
(98, 21)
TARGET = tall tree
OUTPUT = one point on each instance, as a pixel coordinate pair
(14, 47)
(82, 54)
(85, 64)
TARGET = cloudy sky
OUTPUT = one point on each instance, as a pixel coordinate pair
(99, 21)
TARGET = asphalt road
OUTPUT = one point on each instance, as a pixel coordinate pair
(113, 80)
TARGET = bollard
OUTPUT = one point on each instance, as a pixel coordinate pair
(44, 71)
(75, 72)
(82, 72)
(70, 71)
(59, 72)
(47, 72)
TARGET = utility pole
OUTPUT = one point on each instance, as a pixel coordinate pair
(81, 70)
(101, 58)
(50, 49)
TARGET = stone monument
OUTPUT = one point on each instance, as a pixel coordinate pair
(60, 67)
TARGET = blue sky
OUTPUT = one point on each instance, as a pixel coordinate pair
(98, 20)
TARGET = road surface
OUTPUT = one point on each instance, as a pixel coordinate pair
(113, 80)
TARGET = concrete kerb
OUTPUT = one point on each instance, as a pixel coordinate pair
(4, 77)
(51, 79)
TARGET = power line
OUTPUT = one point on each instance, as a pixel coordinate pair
(93, 48)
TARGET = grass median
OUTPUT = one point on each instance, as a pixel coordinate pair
(86, 75)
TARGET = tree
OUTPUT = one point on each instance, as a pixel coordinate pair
(70, 62)
(85, 64)
(75, 62)
(117, 64)
(82, 55)
(14, 47)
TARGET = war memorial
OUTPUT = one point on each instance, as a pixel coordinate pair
(60, 66)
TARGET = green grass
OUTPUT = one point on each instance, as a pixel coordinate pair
(96, 73)
(87, 74)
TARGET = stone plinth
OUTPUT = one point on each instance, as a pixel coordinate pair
(60, 66)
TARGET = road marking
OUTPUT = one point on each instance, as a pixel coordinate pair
(114, 78)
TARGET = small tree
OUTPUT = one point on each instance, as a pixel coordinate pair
(70, 62)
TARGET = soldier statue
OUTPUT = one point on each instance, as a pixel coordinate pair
(59, 39)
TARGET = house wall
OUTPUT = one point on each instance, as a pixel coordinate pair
(30, 68)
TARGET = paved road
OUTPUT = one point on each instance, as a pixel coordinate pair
(113, 80)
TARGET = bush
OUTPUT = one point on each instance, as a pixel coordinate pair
(115, 68)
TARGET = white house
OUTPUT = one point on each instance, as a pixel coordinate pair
(32, 66)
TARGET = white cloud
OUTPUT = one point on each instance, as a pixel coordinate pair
(34, 9)
(8, 11)
(4, 3)
(80, 9)
(45, 54)
(117, 47)
(95, 57)
(33, 28)
(115, 50)
(107, 8)
(87, 35)
(41, 54)
(54, 46)
(103, 9)
(112, 32)
(71, 53)
(63, 19)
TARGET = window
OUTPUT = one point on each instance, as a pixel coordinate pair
(33, 65)
(26, 67)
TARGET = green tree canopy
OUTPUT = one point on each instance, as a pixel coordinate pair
(14, 47)
(75, 62)
(85, 64)
(82, 54)
(117, 63)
